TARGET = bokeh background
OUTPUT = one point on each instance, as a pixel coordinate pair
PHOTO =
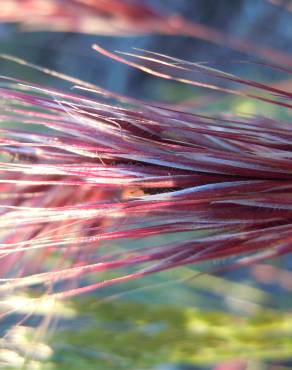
(177, 320)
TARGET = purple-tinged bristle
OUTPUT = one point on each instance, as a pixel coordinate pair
(76, 172)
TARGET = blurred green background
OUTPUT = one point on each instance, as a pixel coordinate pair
(176, 320)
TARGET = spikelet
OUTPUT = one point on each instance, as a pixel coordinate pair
(112, 168)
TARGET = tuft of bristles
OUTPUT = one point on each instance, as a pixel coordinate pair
(77, 171)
